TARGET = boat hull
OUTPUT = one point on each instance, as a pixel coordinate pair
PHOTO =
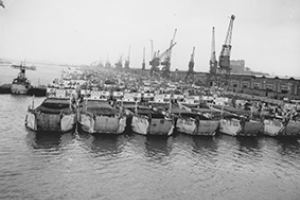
(273, 127)
(230, 127)
(235, 127)
(292, 128)
(161, 126)
(102, 124)
(19, 89)
(140, 125)
(191, 127)
(45, 122)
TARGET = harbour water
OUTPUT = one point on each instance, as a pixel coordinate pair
(81, 166)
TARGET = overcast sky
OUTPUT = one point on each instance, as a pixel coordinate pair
(266, 33)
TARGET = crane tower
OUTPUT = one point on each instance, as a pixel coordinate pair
(224, 59)
(166, 63)
(190, 74)
(144, 63)
(127, 61)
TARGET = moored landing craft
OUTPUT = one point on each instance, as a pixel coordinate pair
(273, 126)
(146, 121)
(53, 115)
(196, 124)
(281, 127)
(99, 117)
(240, 126)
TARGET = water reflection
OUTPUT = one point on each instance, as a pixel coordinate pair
(106, 144)
(204, 143)
(157, 147)
(288, 145)
(48, 141)
(248, 144)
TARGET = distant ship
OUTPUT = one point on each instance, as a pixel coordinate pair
(21, 85)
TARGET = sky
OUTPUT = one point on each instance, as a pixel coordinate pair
(266, 33)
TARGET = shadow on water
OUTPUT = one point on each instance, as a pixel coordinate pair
(288, 145)
(48, 140)
(205, 143)
(158, 147)
(248, 144)
(102, 144)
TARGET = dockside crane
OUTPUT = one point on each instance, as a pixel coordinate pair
(144, 63)
(224, 59)
(155, 62)
(213, 63)
(166, 63)
(190, 73)
(127, 61)
(119, 64)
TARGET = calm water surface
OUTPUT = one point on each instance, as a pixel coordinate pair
(81, 166)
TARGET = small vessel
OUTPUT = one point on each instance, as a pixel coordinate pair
(21, 85)
(235, 125)
(196, 124)
(281, 126)
(273, 126)
(53, 115)
(98, 116)
(292, 128)
(147, 121)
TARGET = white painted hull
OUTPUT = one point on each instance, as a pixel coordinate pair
(230, 127)
(102, 124)
(18, 89)
(273, 127)
(67, 122)
(140, 125)
(189, 126)
(50, 122)
(30, 121)
(237, 127)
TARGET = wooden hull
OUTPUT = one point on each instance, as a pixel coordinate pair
(102, 124)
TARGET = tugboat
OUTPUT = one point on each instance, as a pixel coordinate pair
(21, 85)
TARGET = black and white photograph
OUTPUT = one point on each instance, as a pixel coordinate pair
(149, 99)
